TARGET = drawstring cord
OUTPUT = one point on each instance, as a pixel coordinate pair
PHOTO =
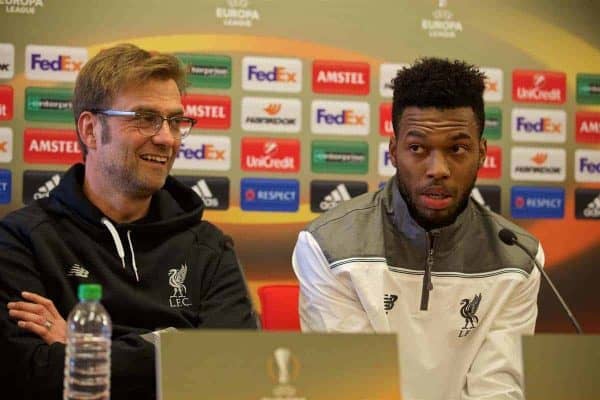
(119, 245)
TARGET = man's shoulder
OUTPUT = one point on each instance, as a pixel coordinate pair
(488, 224)
(25, 218)
(350, 212)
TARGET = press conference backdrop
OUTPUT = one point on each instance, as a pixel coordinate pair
(293, 102)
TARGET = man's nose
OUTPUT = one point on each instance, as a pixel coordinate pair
(437, 167)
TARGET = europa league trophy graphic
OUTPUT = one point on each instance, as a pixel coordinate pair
(282, 358)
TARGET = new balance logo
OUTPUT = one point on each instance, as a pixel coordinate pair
(46, 188)
(337, 195)
(592, 210)
(388, 301)
(201, 188)
(79, 271)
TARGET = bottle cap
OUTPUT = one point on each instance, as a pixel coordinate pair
(89, 291)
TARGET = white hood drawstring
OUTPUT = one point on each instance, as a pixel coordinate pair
(137, 277)
(119, 245)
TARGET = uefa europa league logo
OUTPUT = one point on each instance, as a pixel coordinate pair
(283, 367)
(282, 360)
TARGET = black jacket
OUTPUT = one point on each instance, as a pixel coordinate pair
(52, 245)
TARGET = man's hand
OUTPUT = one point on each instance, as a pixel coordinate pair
(38, 315)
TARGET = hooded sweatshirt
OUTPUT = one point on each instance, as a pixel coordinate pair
(169, 269)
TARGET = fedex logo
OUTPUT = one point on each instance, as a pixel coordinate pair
(338, 77)
(494, 81)
(492, 166)
(210, 112)
(539, 125)
(204, 152)
(587, 127)
(587, 165)
(539, 87)
(6, 103)
(338, 117)
(272, 74)
(386, 128)
(385, 167)
(262, 154)
(7, 60)
(54, 63)
(6, 144)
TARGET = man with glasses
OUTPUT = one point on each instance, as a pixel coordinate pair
(120, 220)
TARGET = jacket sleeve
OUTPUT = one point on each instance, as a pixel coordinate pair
(226, 303)
(327, 302)
(34, 369)
(497, 370)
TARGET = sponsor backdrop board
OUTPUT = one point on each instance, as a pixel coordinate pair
(294, 99)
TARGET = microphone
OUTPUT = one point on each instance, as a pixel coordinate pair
(509, 238)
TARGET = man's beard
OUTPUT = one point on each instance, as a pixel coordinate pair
(424, 221)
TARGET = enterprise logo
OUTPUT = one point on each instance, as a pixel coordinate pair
(537, 202)
(259, 194)
(54, 63)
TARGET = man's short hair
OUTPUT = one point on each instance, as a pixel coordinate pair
(439, 83)
(119, 67)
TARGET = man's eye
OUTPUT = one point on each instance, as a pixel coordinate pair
(415, 148)
(459, 149)
(147, 119)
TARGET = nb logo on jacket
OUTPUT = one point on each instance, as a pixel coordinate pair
(176, 278)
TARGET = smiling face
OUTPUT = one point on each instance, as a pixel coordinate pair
(437, 154)
(123, 159)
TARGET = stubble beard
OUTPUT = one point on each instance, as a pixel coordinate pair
(423, 220)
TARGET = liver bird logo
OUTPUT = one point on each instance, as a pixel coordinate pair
(176, 279)
(469, 309)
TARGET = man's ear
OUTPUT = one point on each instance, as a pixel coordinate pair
(482, 151)
(88, 129)
(393, 146)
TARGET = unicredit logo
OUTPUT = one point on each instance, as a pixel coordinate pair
(539, 87)
(270, 155)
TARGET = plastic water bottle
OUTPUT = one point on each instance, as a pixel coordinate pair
(87, 359)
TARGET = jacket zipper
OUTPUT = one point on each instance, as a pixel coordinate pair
(427, 284)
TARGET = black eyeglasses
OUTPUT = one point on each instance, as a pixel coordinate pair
(149, 123)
